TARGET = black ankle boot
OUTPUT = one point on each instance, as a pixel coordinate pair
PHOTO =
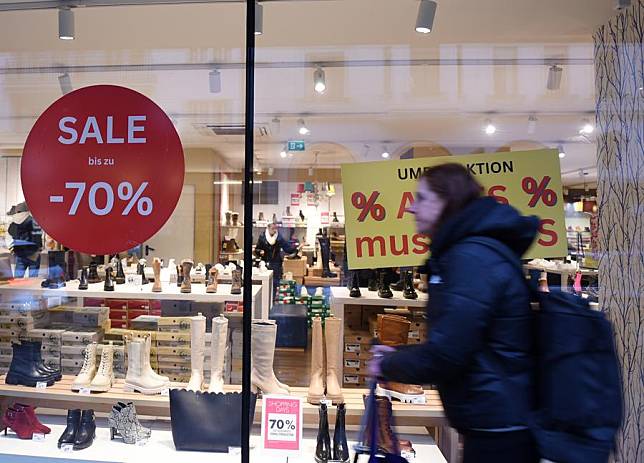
(36, 355)
(109, 283)
(56, 274)
(86, 431)
(383, 288)
(24, 370)
(409, 292)
(323, 448)
(93, 274)
(141, 271)
(73, 423)
(83, 279)
(120, 274)
(340, 446)
(400, 284)
(355, 285)
(372, 285)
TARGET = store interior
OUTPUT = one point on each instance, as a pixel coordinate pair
(491, 77)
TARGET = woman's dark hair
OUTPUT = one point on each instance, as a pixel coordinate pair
(454, 184)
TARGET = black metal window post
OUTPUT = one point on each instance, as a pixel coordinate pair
(248, 229)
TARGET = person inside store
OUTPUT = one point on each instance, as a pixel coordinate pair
(479, 352)
(26, 244)
(269, 248)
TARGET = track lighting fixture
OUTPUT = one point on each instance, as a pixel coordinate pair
(319, 80)
(532, 124)
(214, 81)
(259, 18)
(66, 23)
(65, 83)
(426, 15)
(303, 129)
(554, 77)
(562, 153)
(490, 129)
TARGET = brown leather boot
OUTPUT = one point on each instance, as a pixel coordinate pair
(236, 287)
(393, 330)
(387, 441)
(186, 267)
(212, 280)
(156, 268)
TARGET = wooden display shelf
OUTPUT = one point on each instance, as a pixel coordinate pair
(60, 396)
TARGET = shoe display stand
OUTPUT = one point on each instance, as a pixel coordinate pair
(30, 287)
(565, 274)
(160, 448)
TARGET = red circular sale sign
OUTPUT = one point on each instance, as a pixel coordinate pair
(102, 169)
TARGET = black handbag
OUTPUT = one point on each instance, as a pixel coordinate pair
(207, 421)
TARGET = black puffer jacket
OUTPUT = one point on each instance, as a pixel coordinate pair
(479, 352)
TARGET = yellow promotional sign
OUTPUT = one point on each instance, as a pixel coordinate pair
(381, 233)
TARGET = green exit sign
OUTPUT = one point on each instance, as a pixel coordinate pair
(296, 146)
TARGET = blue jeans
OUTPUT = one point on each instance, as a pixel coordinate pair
(22, 263)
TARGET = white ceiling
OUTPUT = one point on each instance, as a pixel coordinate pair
(484, 59)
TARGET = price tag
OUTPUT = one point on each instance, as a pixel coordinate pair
(85, 391)
(67, 448)
(41, 385)
(165, 392)
(38, 437)
(282, 423)
(409, 456)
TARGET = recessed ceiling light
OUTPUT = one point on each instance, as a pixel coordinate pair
(426, 15)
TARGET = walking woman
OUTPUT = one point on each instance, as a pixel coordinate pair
(480, 347)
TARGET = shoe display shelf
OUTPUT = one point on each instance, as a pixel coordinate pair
(60, 397)
(265, 279)
(30, 287)
(160, 447)
(564, 273)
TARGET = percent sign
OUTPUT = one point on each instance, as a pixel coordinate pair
(539, 191)
(368, 206)
(125, 192)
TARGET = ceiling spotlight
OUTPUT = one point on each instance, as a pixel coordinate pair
(554, 77)
(303, 129)
(271, 171)
(259, 18)
(426, 14)
(65, 24)
(385, 152)
(490, 128)
(562, 153)
(532, 124)
(310, 171)
(283, 153)
(276, 125)
(587, 128)
(214, 81)
(319, 80)
(65, 83)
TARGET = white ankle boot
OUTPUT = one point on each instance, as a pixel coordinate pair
(197, 348)
(88, 370)
(217, 353)
(140, 377)
(104, 378)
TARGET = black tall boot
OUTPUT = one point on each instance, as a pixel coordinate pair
(409, 292)
(24, 370)
(56, 273)
(325, 250)
(73, 423)
(323, 447)
(372, 284)
(400, 284)
(141, 271)
(355, 285)
(109, 283)
(208, 267)
(383, 288)
(340, 446)
(86, 431)
(93, 273)
(120, 274)
(179, 276)
(71, 266)
(83, 279)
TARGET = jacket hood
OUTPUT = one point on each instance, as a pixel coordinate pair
(486, 217)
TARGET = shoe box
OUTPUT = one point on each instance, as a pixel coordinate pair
(51, 342)
(72, 350)
(356, 352)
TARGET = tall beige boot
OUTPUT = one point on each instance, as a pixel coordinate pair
(104, 378)
(316, 386)
(333, 355)
(88, 370)
(197, 351)
(273, 322)
(186, 267)
(217, 353)
(263, 352)
(156, 268)
(140, 377)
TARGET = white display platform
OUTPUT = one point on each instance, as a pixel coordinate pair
(160, 448)
(31, 286)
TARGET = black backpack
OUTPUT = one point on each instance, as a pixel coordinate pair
(579, 393)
